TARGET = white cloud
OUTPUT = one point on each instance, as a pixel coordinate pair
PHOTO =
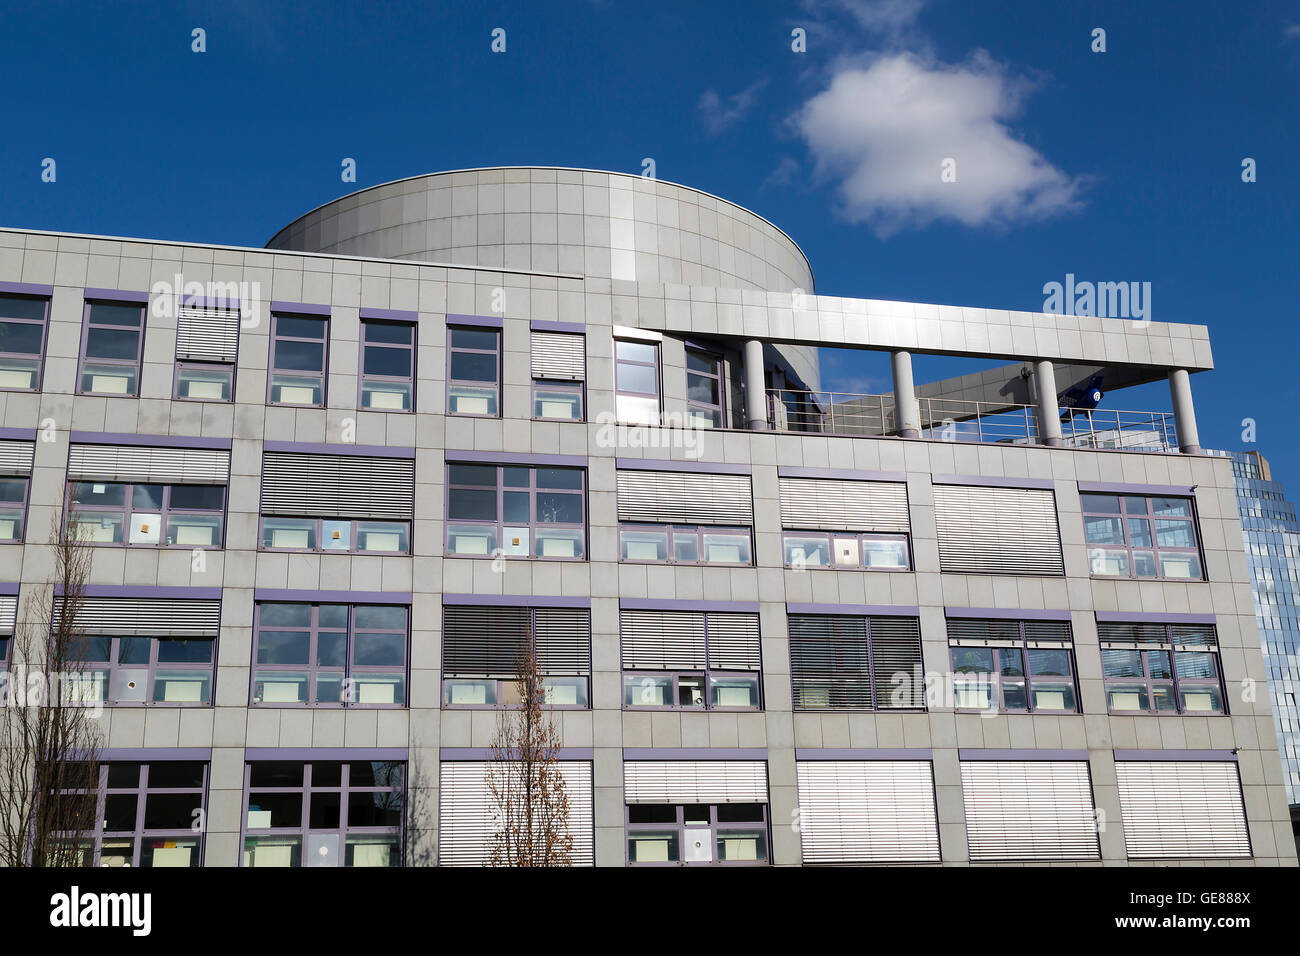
(885, 128)
(1292, 31)
(720, 114)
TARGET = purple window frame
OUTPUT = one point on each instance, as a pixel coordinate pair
(164, 512)
(655, 366)
(354, 533)
(534, 524)
(861, 537)
(113, 667)
(183, 365)
(1174, 681)
(141, 791)
(363, 378)
(308, 788)
(718, 376)
(1025, 679)
(452, 383)
(272, 370)
(21, 508)
(83, 358)
(39, 356)
(688, 531)
(556, 385)
(348, 672)
(717, 831)
(1150, 516)
(845, 668)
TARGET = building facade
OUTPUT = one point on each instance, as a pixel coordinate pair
(335, 487)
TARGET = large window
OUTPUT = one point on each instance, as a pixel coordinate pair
(112, 343)
(172, 516)
(706, 405)
(483, 645)
(678, 544)
(387, 365)
(1136, 536)
(856, 662)
(330, 655)
(299, 358)
(1013, 666)
(515, 511)
(697, 834)
(170, 671)
(636, 381)
(690, 660)
(845, 523)
(559, 366)
(335, 535)
(473, 371)
(1161, 668)
(824, 549)
(23, 321)
(324, 813)
(148, 814)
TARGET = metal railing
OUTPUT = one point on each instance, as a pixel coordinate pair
(846, 413)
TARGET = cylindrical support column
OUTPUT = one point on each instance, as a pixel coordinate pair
(755, 386)
(907, 412)
(1180, 390)
(1048, 410)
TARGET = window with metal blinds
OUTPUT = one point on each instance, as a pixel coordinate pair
(680, 497)
(1029, 810)
(695, 781)
(1180, 637)
(867, 811)
(489, 641)
(1175, 809)
(8, 614)
(148, 465)
(338, 486)
(559, 355)
(16, 457)
(832, 505)
(207, 334)
(468, 818)
(995, 632)
(842, 661)
(687, 640)
(143, 617)
(986, 530)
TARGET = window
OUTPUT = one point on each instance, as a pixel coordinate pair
(8, 619)
(205, 382)
(705, 401)
(1029, 810)
(557, 401)
(147, 515)
(991, 530)
(559, 366)
(173, 671)
(113, 340)
(1182, 809)
(330, 655)
(691, 660)
(853, 662)
(387, 365)
(23, 321)
(1013, 666)
(149, 814)
(482, 647)
(515, 511)
(13, 507)
(837, 523)
(822, 549)
(636, 382)
(299, 358)
(1161, 668)
(473, 371)
(684, 545)
(324, 813)
(335, 535)
(867, 811)
(1135, 536)
(207, 346)
(696, 812)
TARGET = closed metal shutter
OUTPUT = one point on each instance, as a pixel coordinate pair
(207, 335)
(997, 530)
(338, 486)
(137, 463)
(1179, 637)
(675, 497)
(830, 505)
(867, 811)
(695, 781)
(996, 632)
(559, 355)
(487, 641)
(468, 818)
(685, 640)
(16, 457)
(8, 614)
(833, 656)
(1029, 810)
(144, 617)
(1182, 809)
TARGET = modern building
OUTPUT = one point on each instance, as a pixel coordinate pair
(336, 485)
(1271, 535)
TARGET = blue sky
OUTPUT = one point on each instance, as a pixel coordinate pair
(1115, 166)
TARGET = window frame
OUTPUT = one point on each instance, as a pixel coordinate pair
(83, 359)
(127, 510)
(272, 370)
(718, 375)
(862, 538)
(39, 377)
(1128, 548)
(410, 381)
(1174, 682)
(348, 673)
(995, 678)
(847, 669)
(21, 519)
(90, 669)
(183, 365)
(533, 524)
(698, 532)
(498, 354)
(656, 366)
(318, 533)
(560, 385)
(717, 831)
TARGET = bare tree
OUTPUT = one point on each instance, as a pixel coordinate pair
(525, 782)
(49, 734)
